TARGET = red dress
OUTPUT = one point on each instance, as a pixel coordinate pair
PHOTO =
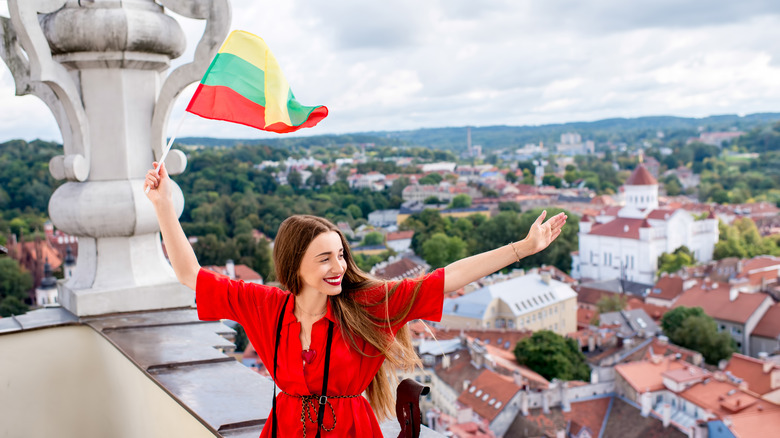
(256, 308)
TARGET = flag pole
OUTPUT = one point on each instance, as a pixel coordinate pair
(168, 146)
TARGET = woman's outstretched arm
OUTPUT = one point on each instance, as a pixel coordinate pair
(464, 271)
(180, 252)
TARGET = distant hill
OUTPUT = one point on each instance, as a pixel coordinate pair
(616, 130)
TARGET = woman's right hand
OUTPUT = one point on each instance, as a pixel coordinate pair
(159, 185)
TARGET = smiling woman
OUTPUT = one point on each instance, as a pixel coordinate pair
(332, 317)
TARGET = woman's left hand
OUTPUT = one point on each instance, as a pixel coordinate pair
(542, 233)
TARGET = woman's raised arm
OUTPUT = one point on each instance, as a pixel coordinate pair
(464, 271)
(180, 252)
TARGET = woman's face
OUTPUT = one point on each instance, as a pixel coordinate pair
(323, 264)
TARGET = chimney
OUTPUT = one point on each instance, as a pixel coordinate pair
(524, 403)
(545, 403)
(545, 277)
(445, 362)
(565, 403)
(519, 381)
(466, 384)
(663, 340)
(763, 355)
(667, 414)
(591, 343)
(647, 403)
(733, 294)
(231, 269)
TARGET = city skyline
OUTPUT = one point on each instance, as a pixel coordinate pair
(409, 65)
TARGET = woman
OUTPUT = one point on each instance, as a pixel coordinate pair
(293, 332)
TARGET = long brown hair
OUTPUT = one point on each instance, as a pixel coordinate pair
(294, 236)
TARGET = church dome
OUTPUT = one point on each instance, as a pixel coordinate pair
(641, 177)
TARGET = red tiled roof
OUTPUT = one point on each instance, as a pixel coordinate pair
(668, 287)
(655, 312)
(590, 295)
(399, 235)
(610, 211)
(660, 213)
(459, 370)
(470, 430)
(404, 268)
(717, 304)
(760, 264)
(558, 274)
(647, 375)
(489, 386)
(759, 424)
(602, 200)
(584, 317)
(769, 325)
(641, 177)
(506, 364)
(660, 348)
(756, 373)
(622, 227)
(488, 337)
(589, 413)
(243, 272)
(724, 398)
(687, 374)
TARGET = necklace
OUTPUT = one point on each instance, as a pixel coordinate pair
(300, 309)
(307, 354)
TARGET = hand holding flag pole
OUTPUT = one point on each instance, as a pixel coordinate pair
(167, 148)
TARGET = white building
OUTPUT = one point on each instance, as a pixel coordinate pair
(530, 302)
(626, 242)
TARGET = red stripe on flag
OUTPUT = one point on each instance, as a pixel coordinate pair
(224, 103)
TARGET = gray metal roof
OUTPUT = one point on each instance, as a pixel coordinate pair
(524, 294)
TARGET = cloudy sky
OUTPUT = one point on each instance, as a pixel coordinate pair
(409, 64)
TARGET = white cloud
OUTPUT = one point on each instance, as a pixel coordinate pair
(410, 64)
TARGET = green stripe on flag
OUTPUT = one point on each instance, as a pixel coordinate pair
(244, 78)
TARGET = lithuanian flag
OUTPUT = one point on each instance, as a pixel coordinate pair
(245, 85)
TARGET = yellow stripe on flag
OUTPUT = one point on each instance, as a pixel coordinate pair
(253, 49)
(277, 90)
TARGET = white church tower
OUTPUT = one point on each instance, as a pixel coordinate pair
(625, 242)
(640, 193)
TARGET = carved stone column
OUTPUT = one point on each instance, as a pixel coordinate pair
(102, 68)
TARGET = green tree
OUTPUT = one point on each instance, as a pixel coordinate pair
(373, 238)
(611, 303)
(742, 239)
(552, 356)
(295, 179)
(14, 280)
(461, 201)
(431, 200)
(430, 179)
(675, 261)
(552, 180)
(440, 250)
(690, 327)
(241, 339)
(12, 306)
